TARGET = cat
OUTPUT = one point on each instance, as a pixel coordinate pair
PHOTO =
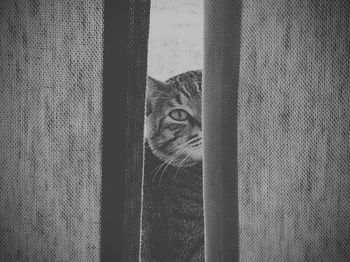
(172, 215)
(173, 118)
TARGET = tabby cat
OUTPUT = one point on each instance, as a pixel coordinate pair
(172, 215)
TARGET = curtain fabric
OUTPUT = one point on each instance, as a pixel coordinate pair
(50, 129)
(220, 90)
(125, 64)
(294, 131)
(51, 115)
(139, 12)
(114, 150)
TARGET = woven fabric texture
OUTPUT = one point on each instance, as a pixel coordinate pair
(135, 113)
(220, 90)
(294, 131)
(50, 127)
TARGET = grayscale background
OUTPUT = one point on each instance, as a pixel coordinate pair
(293, 126)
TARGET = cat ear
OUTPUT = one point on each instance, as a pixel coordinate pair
(153, 90)
(154, 84)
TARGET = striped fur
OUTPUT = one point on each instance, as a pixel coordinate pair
(177, 142)
(172, 215)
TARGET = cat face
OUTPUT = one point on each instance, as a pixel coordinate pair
(173, 118)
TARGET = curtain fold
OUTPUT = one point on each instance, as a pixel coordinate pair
(125, 67)
(220, 93)
(115, 79)
(292, 131)
(139, 12)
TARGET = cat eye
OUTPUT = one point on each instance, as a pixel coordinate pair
(179, 115)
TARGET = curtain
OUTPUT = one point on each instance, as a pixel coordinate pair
(50, 129)
(115, 82)
(137, 69)
(293, 131)
(220, 91)
(66, 68)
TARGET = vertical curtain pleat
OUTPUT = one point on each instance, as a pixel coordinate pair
(293, 131)
(139, 12)
(220, 89)
(114, 150)
(125, 66)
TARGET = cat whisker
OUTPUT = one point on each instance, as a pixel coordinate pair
(156, 90)
(178, 147)
(168, 154)
(196, 145)
(184, 161)
(173, 157)
(186, 158)
(170, 157)
(160, 178)
(168, 163)
(195, 140)
(158, 169)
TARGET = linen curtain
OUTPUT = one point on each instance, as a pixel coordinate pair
(66, 68)
(220, 91)
(50, 129)
(293, 131)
